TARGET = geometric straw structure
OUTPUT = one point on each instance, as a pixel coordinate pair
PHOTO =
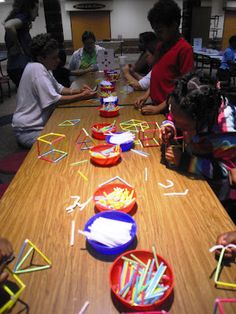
(149, 137)
(134, 125)
(69, 122)
(47, 146)
(84, 141)
(14, 296)
(20, 261)
(218, 271)
(219, 305)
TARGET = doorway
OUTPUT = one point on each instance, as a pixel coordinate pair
(97, 22)
(229, 28)
(201, 17)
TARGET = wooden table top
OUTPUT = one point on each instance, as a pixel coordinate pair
(182, 228)
(122, 89)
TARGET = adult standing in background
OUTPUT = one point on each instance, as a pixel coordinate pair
(17, 36)
(84, 59)
(174, 56)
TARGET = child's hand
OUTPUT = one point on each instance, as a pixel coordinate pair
(126, 68)
(140, 101)
(149, 109)
(225, 239)
(173, 155)
(86, 87)
(87, 94)
(6, 249)
(167, 133)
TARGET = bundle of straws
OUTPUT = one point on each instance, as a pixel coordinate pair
(142, 283)
(106, 153)
(104, 129)
(109, 232)
(122, 138)
(117, 199)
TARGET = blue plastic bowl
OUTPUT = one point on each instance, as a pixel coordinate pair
(115, 215)
(125, 146)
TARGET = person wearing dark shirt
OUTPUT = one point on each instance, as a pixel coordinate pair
(17, 37)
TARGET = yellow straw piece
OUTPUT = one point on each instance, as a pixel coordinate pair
(83, 176)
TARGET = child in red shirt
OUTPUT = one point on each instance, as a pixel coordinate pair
(174, 56)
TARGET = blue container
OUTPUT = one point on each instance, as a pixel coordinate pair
(115, 215)
(125, 146)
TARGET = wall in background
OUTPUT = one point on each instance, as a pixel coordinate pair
(128, 18)
(124, 14)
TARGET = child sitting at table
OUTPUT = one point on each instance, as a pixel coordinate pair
(225, 239)
(228, 63)
(39, 92)
(208, 123)
(6, 252)
(134, 79)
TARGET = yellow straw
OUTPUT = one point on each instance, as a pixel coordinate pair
(83, 176)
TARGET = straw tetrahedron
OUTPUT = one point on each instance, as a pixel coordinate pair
(21, 259)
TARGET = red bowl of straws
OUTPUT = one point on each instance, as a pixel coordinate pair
(140, 280)
(115, 196)
(107, 88)
(100, 130)
(105, 154)
(109, 113)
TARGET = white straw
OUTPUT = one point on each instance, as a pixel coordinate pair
(72, 236)
(139, 152)
(167, 186)
(86, 304)
(108, 181)
(219, 246)
(86, 133)
(122, 180)
(145, 174)
(177, 193)
(82, 206)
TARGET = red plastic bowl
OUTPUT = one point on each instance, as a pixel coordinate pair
(99, 135)
(109, 161)
(108, 188)
(109, 114)
(144, 256)
(107, 89)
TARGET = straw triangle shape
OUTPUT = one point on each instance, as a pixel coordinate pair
(30, 255)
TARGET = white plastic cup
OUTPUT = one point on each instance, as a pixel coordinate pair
(122, 60)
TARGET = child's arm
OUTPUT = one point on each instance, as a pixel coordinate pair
(6, 249)
(189, 163)
(154, 109)
(6, 252)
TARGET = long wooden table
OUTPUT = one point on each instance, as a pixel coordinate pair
(182, 228)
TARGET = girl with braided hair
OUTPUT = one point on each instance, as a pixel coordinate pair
(207, 121)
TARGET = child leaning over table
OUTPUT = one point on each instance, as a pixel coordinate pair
(39, 92)
(207, 120)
